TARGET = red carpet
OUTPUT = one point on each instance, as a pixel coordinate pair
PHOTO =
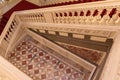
(23, 5)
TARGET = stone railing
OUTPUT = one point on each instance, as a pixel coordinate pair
(98, 13)
(7, 34)
(33, 17)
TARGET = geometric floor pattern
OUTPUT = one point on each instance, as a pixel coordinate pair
(42, 65)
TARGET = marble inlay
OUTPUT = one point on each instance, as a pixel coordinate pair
(40, 64)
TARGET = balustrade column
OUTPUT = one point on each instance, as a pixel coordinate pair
(112, 63)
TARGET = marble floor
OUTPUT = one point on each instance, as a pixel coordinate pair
(40, 64)
(93, 56)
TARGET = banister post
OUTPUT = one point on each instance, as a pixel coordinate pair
(48, 17)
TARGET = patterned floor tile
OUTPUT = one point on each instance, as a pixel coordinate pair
(41, 65)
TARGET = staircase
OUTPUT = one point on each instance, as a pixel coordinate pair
(23, 5)
(84, 38)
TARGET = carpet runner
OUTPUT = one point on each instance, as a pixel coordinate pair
(23, 5)
(40, 64)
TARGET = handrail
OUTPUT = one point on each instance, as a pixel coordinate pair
(96, 13)
(8, 33)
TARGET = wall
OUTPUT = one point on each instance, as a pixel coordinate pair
(10, 72)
